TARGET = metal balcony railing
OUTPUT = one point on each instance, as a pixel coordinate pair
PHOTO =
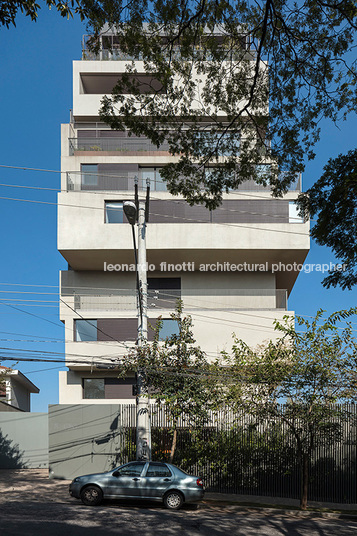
(252, 186)
(127, 145)
(110, 182)
(113, 182)
(193, 299)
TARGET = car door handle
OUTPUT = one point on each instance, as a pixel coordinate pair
(167, 479)
(136, 479)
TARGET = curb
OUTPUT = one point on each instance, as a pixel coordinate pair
(281, 510)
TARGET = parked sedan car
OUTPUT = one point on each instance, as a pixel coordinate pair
(155, 481)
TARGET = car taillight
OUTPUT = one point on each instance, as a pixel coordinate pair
(199, 482)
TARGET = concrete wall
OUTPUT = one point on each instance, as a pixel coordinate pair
(23, 440)
(87, 105)
(19, 395)
(86, 439)
(86, 241)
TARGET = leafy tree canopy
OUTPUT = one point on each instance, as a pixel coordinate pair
(334, 198)
(97, 12)
(300, 380)
(175, 372)
(211, 68)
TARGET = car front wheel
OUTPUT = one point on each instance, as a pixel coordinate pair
(91, 496)
(173, 500)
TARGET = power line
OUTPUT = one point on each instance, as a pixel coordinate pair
(23, 168)
(230, 311)
(98, 329)
(126, 194)
(46, 319)
(243, 193)
(189, 220)
(177, 201)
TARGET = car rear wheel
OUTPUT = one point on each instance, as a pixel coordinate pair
(91, 496)
(173, 500)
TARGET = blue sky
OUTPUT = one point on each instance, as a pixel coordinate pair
(36, 96)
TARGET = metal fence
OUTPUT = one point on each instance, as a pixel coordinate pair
(232, 452)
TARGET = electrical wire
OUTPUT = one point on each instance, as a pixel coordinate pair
(176, 201)
(189, 305)
(153, 198)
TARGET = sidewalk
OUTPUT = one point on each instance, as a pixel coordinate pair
(36, 484)
(281, 504)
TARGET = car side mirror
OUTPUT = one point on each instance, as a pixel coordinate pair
(116, 473)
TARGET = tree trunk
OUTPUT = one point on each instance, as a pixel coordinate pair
(173, 445)
(304, 480)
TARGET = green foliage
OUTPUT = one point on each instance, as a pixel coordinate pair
(175, 372)
(310, 370)
(333, 198)
(9, 9)
(198, 66)
(95, 12)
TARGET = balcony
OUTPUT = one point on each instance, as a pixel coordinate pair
(124, 180)
(110, 49)
(112, 182)
(193, 299)
(133, 145)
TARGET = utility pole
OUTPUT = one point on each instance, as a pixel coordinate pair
(139, 212)
(143, 431)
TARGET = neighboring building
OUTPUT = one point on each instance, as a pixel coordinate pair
(15, 390)
(98, 306)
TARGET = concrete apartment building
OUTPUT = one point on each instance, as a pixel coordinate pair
(190, 250)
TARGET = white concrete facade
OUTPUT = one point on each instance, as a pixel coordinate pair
(224, 265)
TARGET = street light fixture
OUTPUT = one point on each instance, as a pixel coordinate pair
(130, 211)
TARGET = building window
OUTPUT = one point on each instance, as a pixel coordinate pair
(294, 213)
(93, 388)
(163, 292)
(89, 174)
(109, 388)
(220, 143)
(86, 330)
(114, 212)
(263, 172)
(156, 181)
(169, 327)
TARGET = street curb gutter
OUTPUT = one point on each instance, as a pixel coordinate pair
(211, 504)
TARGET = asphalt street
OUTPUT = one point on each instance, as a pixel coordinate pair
(43, 518)
(37, 506)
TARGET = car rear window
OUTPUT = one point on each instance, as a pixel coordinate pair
(158, 469)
